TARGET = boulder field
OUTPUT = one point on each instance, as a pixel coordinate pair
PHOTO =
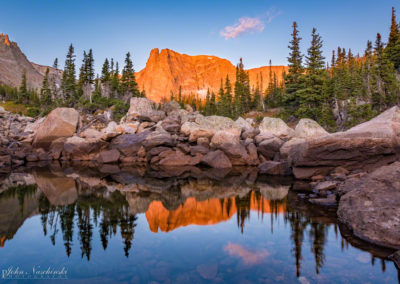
(167, 135)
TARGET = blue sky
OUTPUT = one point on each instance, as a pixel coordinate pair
(257, 30)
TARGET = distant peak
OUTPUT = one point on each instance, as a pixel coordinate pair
(5, 39)
(154, 51)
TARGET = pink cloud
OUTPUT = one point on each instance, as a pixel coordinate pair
(245, 25)
(249, 25)
(247, 256)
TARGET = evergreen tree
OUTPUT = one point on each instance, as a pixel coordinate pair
(392, 49)
(105, 72)
(294, 78)
(213, 106)
(311, 97)
(128, 84)
(106, 78)
(45, 92)
(242, 99)
(23, 90)
(386, 85)
(227, 102)
(115, 80)
(68, 84)
(55, 63)
(207, 107)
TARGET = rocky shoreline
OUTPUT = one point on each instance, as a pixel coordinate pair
(332, 168)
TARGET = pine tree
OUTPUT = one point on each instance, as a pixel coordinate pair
(311, 96)
(106, 78)
(68, 84)
(129, 87)
(213, 106)
(294, 78)
(228, 109)
(55, 63)
(392, 49)
(86, 75)
(387, 85)
(242, 99)
(115, 80)
(207, 108)
(45, 91)
(23, 90)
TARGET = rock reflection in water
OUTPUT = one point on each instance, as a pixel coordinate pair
(82, 202)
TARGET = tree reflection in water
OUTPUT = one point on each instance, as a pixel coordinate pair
(108, 215)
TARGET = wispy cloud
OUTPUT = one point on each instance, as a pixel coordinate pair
(249, 25)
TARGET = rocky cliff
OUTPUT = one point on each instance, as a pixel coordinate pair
(165, 71)
(13, 62)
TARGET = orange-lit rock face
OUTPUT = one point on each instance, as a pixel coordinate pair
(4, 38)
(165, 71)
(208, 212)
(2, 241)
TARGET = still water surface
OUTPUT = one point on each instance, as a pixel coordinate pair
(133, 227)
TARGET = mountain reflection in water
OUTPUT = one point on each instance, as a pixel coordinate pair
(71, 202)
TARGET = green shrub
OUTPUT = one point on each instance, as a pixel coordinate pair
(33, 112)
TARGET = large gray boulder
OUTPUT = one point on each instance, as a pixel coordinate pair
(308, 128)
(371, 208)
(365, 146)
(143, 109)
(207, 126)
(277, 127)
(61, 122)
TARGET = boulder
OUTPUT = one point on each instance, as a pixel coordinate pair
(236, 153)
(170, 106)
(277, 127)
(177, 158)
(127, 128)
(32, 127)
(268, 148)
(199, 149)
(223, 137)
(109, 156)
(143, 109)
(61, 122)
(171, 125)
(243, 124)
(155, 139)
(207, 126)
(129, 144)
(372, 209)
(82, 149)
(288, 145)
(91, 133)
(365, 146)
(180, 115)
(308, 128)
(325, 185)
(216, 159)
(252, 159)
(274, 168)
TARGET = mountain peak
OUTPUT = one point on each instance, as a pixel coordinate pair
(5, 39)
(167, 70)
